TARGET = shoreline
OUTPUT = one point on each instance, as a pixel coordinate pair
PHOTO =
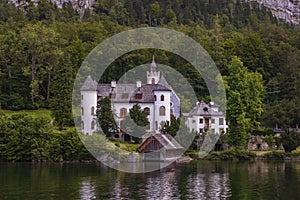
(214, 156)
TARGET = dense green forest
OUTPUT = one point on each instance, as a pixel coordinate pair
(42, 47)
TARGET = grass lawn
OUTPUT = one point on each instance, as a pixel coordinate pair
(126, 146)
(34, 113)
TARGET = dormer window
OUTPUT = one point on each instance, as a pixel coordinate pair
(138, 95)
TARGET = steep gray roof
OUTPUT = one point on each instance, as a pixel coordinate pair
(162, 81)
(165, 140)
(204, 109)
(89, 85)
(128, 92)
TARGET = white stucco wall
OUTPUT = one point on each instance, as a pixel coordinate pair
(88, 100)
(158, 103)
(151, 75)
(193, 123)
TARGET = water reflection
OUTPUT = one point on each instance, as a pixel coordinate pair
(195, 180)
(87, 189)
(162, 187)
(208, 184)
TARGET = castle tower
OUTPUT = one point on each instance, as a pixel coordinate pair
(88, 106)
(162, 110)
(153, 76)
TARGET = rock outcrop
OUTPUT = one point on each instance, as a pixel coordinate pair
(286, 10)
(79, 5)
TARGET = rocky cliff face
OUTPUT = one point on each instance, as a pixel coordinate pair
(79, 5)
(286, 10)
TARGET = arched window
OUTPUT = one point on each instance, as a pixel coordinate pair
(162, 111)
(162, 97)
(154, 97)
(153, 81)
(82, 111)
(123, 112)
(93, 110)
(93, 125)
(147, 111)
(82, 125)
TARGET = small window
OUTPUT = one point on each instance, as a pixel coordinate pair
(81, 97)
(82, 125)
(162, 111)
(82, 111)
(162, 98)
(93, 110)
(138, 95)
(156, 125)
(153, 81)
(201, 121)
(155, 98)
(123, 112)
(200, 130)
(194, 121)
(147, 111)
(205, 109)
(112, 95)
(93, 125)
(212, 121)
(221, 121)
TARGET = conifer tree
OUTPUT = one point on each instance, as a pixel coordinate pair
(61, 102)
(105, 117)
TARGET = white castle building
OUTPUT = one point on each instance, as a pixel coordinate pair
(156, 98)
(205, 117)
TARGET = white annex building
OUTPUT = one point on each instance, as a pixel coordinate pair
(156, 98)
(206, 117)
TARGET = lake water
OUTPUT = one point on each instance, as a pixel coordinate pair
(195, 180)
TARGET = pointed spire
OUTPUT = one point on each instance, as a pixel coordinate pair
(89, 84)
(153, 65)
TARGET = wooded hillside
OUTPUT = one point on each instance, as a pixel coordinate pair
(41, 49)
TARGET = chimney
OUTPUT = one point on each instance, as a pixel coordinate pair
(139, 84)
(113, 84)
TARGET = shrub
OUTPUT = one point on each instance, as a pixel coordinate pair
(290, 140)
(275, 155)
(231, 155)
